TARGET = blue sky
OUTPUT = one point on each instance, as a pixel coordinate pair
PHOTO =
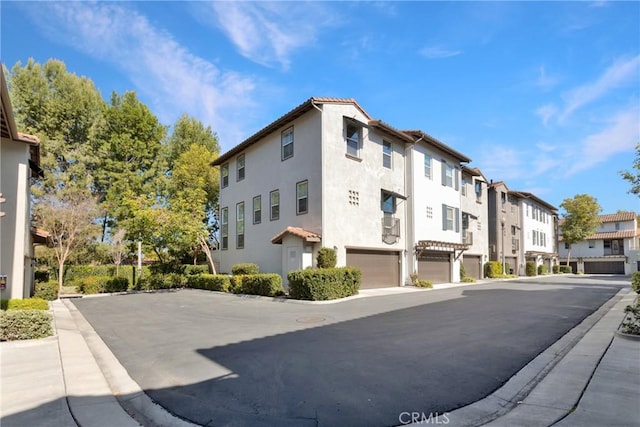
(542, 95)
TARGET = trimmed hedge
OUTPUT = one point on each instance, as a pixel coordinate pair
(542, 269)
(162, 281)
(116, 284)
(268, 285)
(555, 269)
(423, 283)
(635, 281)
(24, 324)
(327, 258)
(565, 269)
(24, 304)
(468, 279)
(324, 283)
(245, 268)
(92, 284)
(235, 283)
(210, 282)
(530, 268)
(493, 269)
(74, 272)
(46, 290)
(194, 270)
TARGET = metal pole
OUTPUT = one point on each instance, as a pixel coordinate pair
(503, 257)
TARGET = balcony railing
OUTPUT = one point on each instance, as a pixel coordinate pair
(467, 237)
(515, 245)
(390, 226)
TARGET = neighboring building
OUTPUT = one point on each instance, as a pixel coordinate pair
(475, 221)
(505, 226)
(327, 174)
(19, 161)
(613, 249)
(538, 235)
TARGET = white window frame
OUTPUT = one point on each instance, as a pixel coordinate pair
(427, 165)
(224, 228)
(240, 225)
(463, 186)
(273, 205)
(240, 167)
(224, 175)
(257, 211)
(350, 141)
(286, 140)
(387, 154)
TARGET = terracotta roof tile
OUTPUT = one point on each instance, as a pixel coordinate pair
(622, 234)
(616, 217)
(31, 139)
(306, 235)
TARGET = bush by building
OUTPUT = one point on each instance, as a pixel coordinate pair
(493, 269)
(327, 258)
(210, 282)
(530, 268)
(24, 304)
(116, 284)
(46, 290)
(245, 268)
(542, 269)
(269, 285)
(24, 324)
(555, 269)
(324, 283)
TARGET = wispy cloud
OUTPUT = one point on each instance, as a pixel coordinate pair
(501, 162)
(546, 147)
(156, 63)
(437, 52)
(546, 112)
(621, 134)
(620, 73)
(268, 33)
(544, 80)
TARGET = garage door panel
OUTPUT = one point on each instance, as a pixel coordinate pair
(379, 268)
(435, 267)
(472, 266)
(604, 267)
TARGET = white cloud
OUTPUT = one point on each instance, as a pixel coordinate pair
(621, 72)
(437, 52)
(268, 33)
(159, 66)
(546, 112)
(503, 163)
(621, 135)
(544, 80)
(545, 147)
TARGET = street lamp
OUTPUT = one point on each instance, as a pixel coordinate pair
(502, 221)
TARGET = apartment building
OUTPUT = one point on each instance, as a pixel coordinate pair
(539, 222)
(475, 220)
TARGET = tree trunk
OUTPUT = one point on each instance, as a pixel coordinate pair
(60, 277)
(568, 256)
(207, 252)
(104, 226)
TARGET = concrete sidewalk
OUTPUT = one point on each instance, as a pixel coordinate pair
(588, 378)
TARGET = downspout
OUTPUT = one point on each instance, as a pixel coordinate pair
(410, 221)
(322, 175)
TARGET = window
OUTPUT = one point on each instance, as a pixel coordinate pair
(566, 245)
(257, 209)
(240, 167)
(224, 171)
(386, 154)
(592, 244)
(447, 174)
(463, 189)
(274, 205)
(617, 226)
(427, 166)
(353, 137)
(388, 203)
(465, 221)
(224, 227)
(527, 210)
(240, 225)
(479, 191)
(503, 200)
(450, 218)
(513, 230)
(535, 238)
(287, 143)
(302, 197)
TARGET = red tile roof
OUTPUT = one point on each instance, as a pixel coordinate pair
(622, 234)
(306, 235)
(616, 217)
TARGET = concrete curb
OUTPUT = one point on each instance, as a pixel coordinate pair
(549, 386)
(128, 393)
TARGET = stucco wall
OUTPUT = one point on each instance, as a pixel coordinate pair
(479, 208)
(529, 224)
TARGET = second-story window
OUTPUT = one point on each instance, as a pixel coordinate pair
(478, 191)
(503, 200)
(463, 189)
(274, 205)
(427, 166)
(353, 135)
(386, 154)
(450, 218)
(447, 174)
(240, 167)
(617, 226)
(302, 197)
(287, 143)
(224, 179)
(257, 209)
(224, 227)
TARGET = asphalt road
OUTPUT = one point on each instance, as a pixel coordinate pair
(224, 360)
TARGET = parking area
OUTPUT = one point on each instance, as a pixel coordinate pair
(219, 359)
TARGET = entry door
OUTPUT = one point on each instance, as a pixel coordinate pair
(294, 258)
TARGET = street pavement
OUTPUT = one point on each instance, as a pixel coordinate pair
(229, 360)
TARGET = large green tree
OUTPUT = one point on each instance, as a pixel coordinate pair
(580, 219)
(128, 143)
(633, 176)
(187, 131)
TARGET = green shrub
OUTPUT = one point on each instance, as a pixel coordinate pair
(324, 283)
(24, 324)
(235, 283)
(542, 269)
(463, 271)
(92, 284)
(424, 283)
(269, 285)
(327, 258)
(74, 272)
(163, 281)
(164, 268)
(493, 269)
(555, 269)
(414, 278)
(40, 276)
(24, 304)
(210, 282)
(116, 284)
(635, 281)
(245, 268)
(194, 270)
(468, 279)
(580, 272)
(565, 269)
(46, 290)
(530, 268)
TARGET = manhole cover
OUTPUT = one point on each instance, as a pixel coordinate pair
(310, 319)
